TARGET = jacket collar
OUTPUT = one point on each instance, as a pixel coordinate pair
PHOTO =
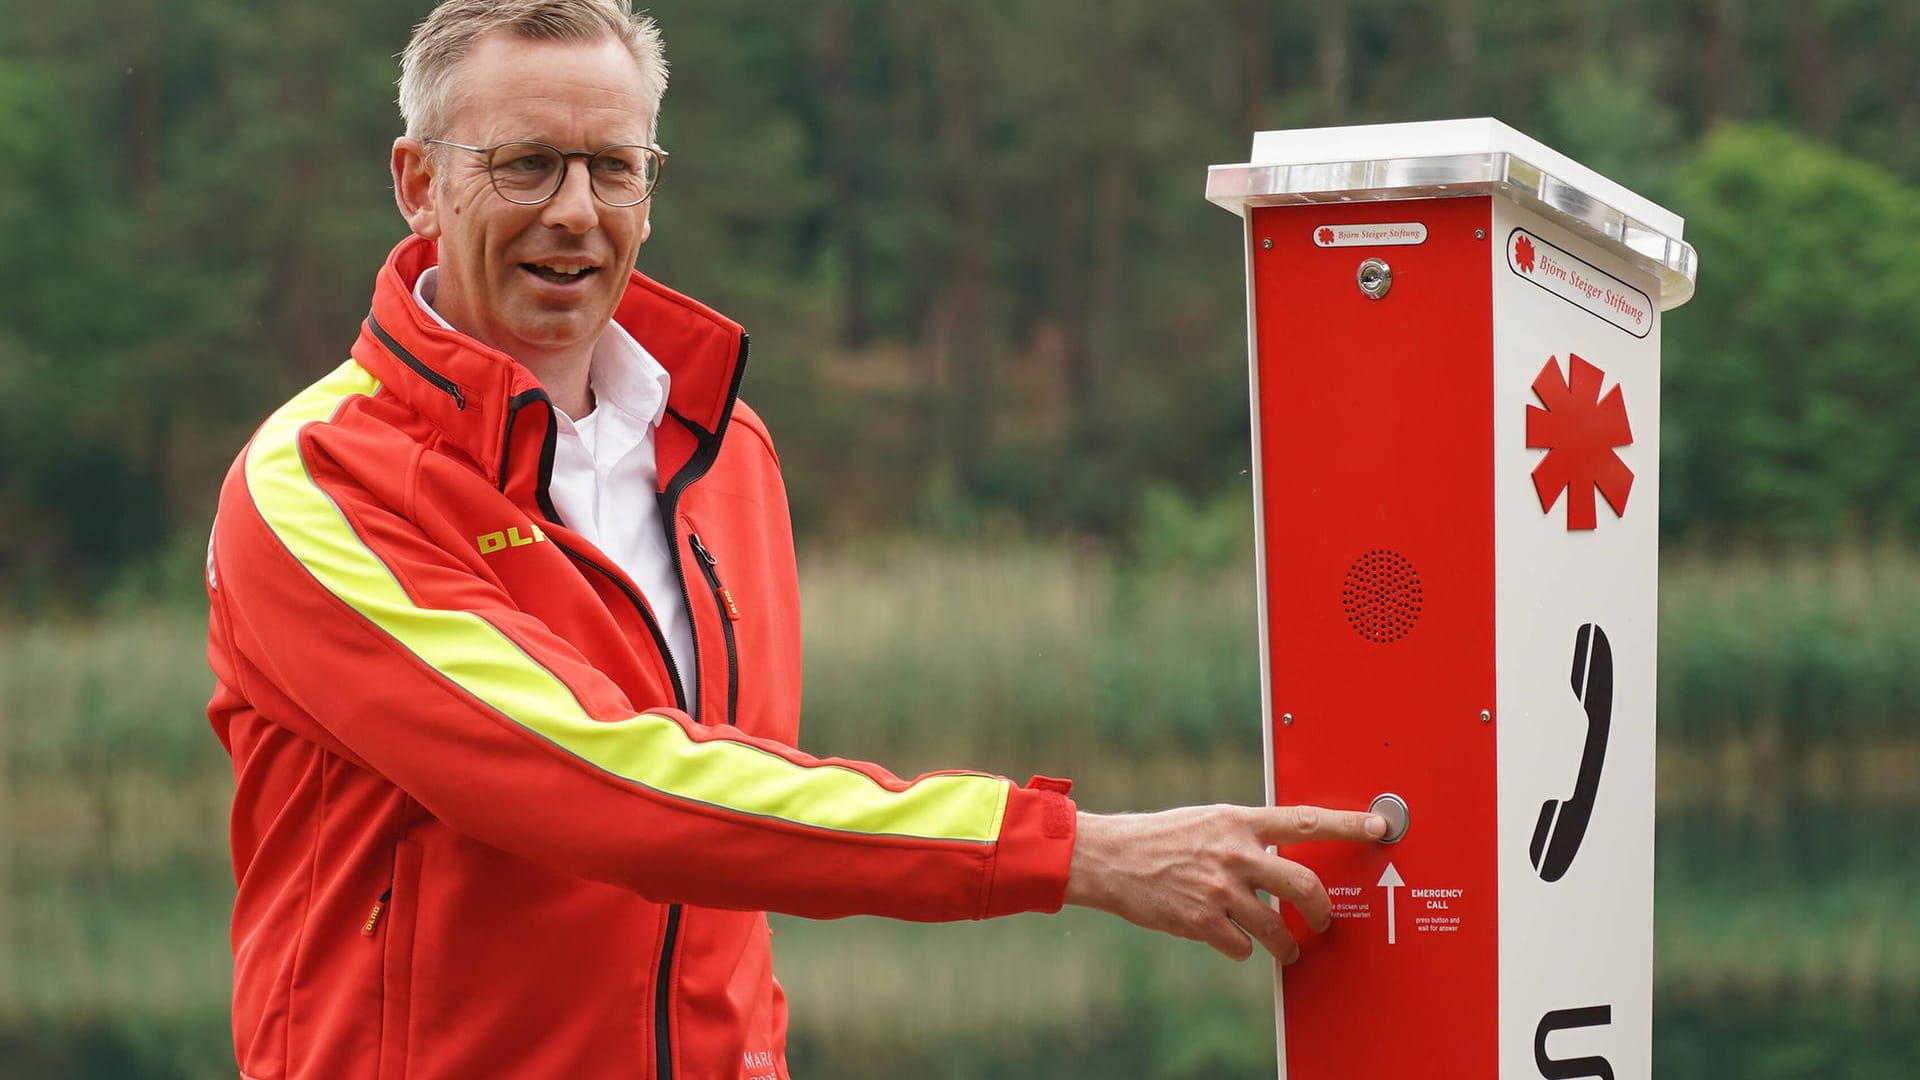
(495, 411)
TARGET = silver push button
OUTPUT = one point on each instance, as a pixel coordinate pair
(1394, 809)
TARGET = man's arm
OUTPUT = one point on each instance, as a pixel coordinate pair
(339, 618)
(1194, 872)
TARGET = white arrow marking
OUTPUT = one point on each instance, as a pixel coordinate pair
(1390, 881)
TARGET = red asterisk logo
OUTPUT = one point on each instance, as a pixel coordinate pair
(1523, 254)
(1579, 430)
(1326, 237)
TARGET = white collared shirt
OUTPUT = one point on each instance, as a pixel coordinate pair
(605, 479)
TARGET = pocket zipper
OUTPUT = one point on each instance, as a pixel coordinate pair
(730, 614)
(373, 917)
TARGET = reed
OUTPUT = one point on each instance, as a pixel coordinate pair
(1042, 654)
(1812, 647)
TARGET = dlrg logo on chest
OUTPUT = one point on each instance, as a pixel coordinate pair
(499, 541)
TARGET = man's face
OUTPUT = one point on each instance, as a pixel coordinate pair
(505, 268)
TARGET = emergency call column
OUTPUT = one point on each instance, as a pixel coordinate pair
(1454, 341)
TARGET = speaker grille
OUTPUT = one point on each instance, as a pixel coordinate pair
(1382, 596)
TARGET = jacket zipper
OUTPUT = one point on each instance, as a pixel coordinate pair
(662, 1016)
(693, 470)
(646, 616)
(663, 979)
(440, 382)
(729, 614)
(662, 986)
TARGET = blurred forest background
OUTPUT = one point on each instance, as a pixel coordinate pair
(1000, 337)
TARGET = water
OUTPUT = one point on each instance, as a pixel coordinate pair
(1788, 947)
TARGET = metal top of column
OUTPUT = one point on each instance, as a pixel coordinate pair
(1445, 158)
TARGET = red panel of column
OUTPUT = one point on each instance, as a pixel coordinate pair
(1375, 446)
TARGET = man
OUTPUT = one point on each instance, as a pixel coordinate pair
(504, 619)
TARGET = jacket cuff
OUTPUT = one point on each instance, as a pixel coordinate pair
(1035, 853)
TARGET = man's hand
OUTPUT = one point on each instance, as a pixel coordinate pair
(1194, 872)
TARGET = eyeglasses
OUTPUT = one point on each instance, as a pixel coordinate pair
(530, 173)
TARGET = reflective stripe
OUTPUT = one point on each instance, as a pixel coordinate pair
(652, 751)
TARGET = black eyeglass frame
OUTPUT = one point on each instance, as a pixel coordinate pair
(560, 176)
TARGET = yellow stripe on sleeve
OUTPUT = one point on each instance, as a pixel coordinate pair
(649, 750)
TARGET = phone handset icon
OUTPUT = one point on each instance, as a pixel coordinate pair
(1562, 825)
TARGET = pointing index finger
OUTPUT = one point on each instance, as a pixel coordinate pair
(1294, 824)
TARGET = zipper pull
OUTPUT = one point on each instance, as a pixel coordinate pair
(713, 577)
(373, 917)
(700, 549)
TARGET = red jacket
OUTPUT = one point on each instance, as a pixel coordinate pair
(473, 833)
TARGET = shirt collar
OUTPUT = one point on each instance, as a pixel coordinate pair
(622, 373)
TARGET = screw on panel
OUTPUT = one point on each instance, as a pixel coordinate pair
(1286, 720)
(1486, 716)
(1266, 242)
(1479, 234)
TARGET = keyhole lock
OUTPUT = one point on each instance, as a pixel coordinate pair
(1375, 278)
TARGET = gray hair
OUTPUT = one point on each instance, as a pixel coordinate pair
(429, 67)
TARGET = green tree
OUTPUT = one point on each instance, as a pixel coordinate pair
(1793, 388)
